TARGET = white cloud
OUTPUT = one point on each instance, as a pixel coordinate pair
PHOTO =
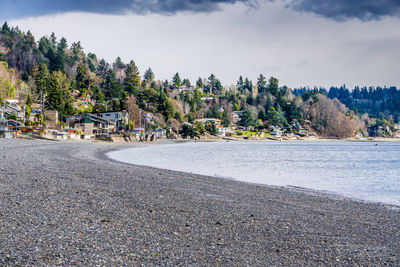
(299, 49)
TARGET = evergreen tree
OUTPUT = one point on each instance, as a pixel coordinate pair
(261, 114)
(53, 40)
(44, 45)
(132, 78)
(166, 84)
(118, 64)
(197, 99)
(226, 120)
(41, 76)
(5, 28)
(176, 81)
(29, 100)
(148, 76)
(274, 117)
(214, 85)
(199, 83)
(246, 119)
(186, 83)
(273, 86)
(164, 106)
(248, 85)
(261, 84)
(55, 96)
(81, 80)
(240, 84)
(100, 105)
(76, 50)
(103, 68)
(62, 45)
(110, 85)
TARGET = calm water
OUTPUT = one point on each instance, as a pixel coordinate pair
(367, 171)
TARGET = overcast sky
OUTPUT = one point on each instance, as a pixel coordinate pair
(301, 42)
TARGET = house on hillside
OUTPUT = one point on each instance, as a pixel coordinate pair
(92, 125)
(12, 101)
(236, 117)
(299, 129)
(186, 89)
(12, 108)
(216, 122)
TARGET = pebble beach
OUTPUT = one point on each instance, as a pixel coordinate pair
(66, 203)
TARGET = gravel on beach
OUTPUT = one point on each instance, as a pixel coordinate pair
(65, 203)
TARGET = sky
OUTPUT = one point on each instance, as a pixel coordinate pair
(301, 42)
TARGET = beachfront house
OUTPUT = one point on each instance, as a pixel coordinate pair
(92, 125)
(276, 131)
(160, 133)
(120, 118)
(223, 132)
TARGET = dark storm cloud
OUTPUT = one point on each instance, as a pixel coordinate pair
(348, 9)
(28, 8)
(332, 9)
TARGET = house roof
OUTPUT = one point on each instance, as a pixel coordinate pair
(13, 122)
(88, 118)
(105, 112)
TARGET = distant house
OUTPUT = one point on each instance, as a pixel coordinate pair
(216, 122)
(206, 99)
(221, 131)
(159, 132)
(276, 131)
(236, 116)
(11, 101)
(12, 123)
(296, 125)
(186, 89)
(13, 109)
(91, 124)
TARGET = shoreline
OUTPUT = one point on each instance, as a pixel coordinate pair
(67, 203)
(311, 191)
(209, 138)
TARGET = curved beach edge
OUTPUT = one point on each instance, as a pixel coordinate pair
(67, 203)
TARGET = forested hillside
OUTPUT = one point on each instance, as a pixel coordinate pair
(65, 78)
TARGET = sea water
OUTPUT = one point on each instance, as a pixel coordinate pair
(362, 170)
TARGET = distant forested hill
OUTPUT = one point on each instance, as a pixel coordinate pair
(376, 101)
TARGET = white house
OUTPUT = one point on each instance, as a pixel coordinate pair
(119, 117)
(276, 131)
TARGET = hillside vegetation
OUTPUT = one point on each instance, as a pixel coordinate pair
(67, 79)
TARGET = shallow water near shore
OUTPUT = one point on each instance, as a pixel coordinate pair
(366, 171)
